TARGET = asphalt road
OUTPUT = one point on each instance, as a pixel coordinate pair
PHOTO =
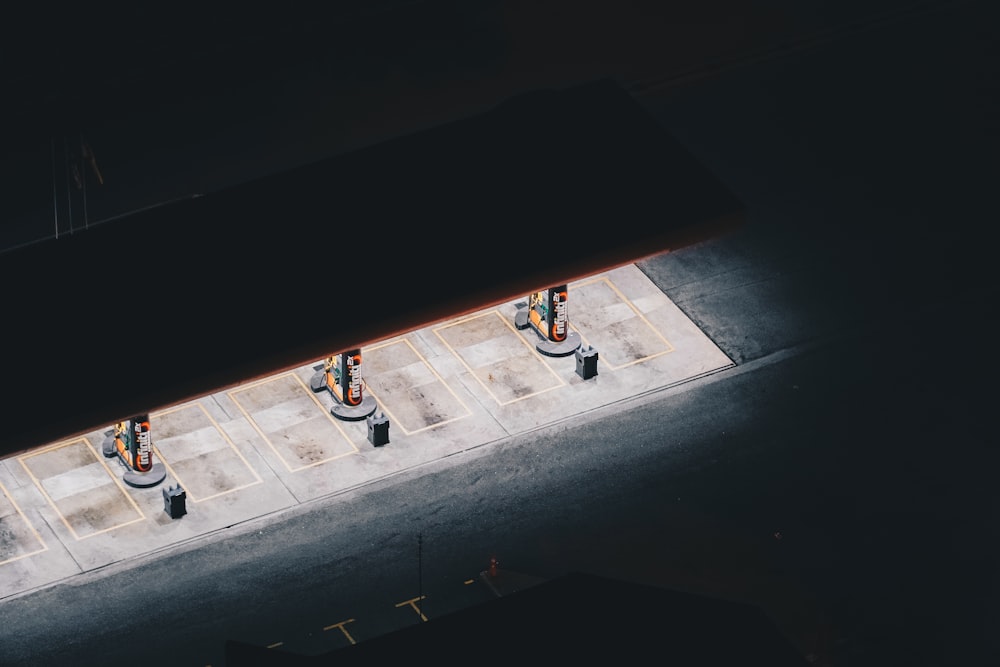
(884, 551)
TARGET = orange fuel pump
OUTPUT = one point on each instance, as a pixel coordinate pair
(340, 375)
(547, 314)
(131, 441)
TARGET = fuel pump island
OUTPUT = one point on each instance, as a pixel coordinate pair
(132, 442)
(340, 375)
(546, 313)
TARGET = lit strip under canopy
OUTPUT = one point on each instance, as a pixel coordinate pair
(193, 297)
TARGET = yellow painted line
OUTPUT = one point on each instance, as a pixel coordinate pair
(440, 379)
(308, 391)
(225, 437)
(121, 485)
(104, 466)
(381, 404)
(34, 532)
(531, 349)
(638, 313)
(341, 626)
(412, 602)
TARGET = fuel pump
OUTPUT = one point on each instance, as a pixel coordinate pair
(547, 314)
(131, 441)
(340, 375)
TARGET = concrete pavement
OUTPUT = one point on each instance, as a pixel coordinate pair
(273, 444)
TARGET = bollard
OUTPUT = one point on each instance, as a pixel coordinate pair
(586, 362)
(378, 429)
(175, 501)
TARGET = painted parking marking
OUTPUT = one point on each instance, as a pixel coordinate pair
(397, 375)
(412, 603)
(293, 422)
(18, 538)
(499, 357)
(198, 453)
(607, 319)
(343, 629)
(83, 491)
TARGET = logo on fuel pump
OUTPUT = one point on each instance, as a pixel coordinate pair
(143, 460)
(559, 319)
(353, 375)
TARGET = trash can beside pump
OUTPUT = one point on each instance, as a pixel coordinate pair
(175, 501)
(378, 429)
(586, 362)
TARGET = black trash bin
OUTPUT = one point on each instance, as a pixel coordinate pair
(378, 429)
(586, 362)
(175, 501)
